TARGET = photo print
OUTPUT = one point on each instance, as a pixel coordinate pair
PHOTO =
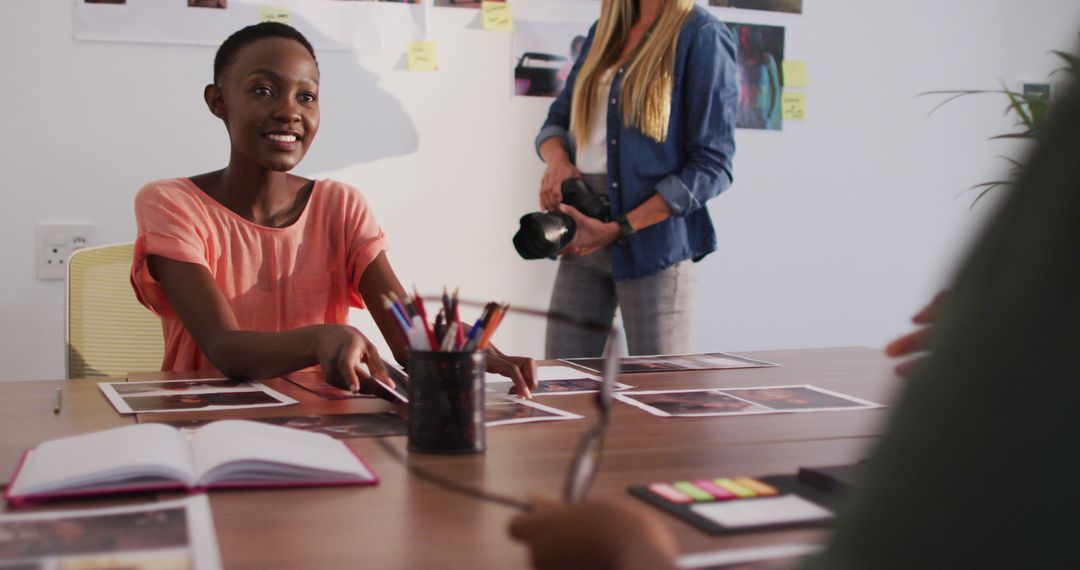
(761, 81)
(790, 6)
(544, 53)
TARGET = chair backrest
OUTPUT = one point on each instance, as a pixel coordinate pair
(109, 333)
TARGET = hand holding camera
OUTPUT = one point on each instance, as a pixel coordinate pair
(545, 234)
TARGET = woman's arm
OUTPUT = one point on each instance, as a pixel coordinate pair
(206, 314)
(379, 279)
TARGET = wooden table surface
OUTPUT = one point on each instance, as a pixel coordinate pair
(407, 522)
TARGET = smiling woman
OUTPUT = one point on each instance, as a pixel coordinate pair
(252, 269)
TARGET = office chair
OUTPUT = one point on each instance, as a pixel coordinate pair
(108, 333)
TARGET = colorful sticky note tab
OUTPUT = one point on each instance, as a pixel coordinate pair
(795, 73)
(422, 56)
(739, 490)
(794, 105)
(273, 14)
(688, 488)
(718, 493)
(496, 16)
(669, 493)
(762, 489)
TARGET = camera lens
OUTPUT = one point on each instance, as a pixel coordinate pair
(543, 234)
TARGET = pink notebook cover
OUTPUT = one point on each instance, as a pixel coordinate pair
(27, 500)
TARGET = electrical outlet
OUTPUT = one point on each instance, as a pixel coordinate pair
(54, 245)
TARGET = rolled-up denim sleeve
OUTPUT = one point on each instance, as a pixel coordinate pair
(711, 92)
(558, 119)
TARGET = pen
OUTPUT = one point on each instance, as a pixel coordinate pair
(58, 400)
(496, 318)
(459, 340)
(477, 328)
(418, 304)
(402, 322)
(448, 339)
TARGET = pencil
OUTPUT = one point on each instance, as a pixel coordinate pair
(496, 318)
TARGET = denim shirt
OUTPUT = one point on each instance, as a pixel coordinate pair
(689, 168)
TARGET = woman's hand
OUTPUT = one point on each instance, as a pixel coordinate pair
(557, 171)
(340, 350)
(595, 535)
(917, 342)
(591, 234)
(520, 369)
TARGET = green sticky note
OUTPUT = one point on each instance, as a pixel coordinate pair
(273, 14)
(692, 491)
(795, 73)
(793, 104)
(496, 16)
(422, 56)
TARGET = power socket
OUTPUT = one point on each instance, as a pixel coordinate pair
(54, 245)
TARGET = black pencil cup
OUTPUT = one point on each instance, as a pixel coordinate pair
(446, 402)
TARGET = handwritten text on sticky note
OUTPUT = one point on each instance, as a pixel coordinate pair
(795, 73)
(422, 56)
(794, 105)
(272, 14)
(496, 16)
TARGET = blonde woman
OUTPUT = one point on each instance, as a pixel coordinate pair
(648, 117)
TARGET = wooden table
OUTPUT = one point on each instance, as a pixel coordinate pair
(406, 522)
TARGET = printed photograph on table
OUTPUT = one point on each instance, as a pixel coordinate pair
(175, 534)
(559, 387)
(205, 395)
(544, 54)
(462, 3)
(761, 51)
(797, 398)
(742, 401)
(674, 362)
(791, 6)
(508, 411)
(698, 403)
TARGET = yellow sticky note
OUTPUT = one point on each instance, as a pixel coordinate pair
(795, 73)
(272, 14)
(794, 105)
(497, 16)
(422, 56)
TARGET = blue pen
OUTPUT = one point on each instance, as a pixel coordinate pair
(475, 330)
(402, 321)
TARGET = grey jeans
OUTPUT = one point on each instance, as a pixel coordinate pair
(655, 309)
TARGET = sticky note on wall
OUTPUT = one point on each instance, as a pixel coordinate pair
(795, 73)
(273, 14)
(496, 16)
(794, 105)
(422, 56)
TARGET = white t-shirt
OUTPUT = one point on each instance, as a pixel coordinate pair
(592, 152)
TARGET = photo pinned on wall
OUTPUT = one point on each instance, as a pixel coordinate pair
(791, 6)
(462, 3)
(761, 79)
(544, 54)
(222, 4)
(105, 1)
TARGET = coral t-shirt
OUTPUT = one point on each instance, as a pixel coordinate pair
(275, 279)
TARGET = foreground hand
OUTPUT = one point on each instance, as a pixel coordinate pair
(520, 369)
(551, 185)
(917, 342)
(341, 350)
(595, 535)
(591, 234)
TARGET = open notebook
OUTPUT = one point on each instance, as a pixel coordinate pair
(145, 457)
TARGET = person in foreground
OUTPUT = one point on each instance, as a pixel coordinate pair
(253, 269)
(647, 118)
(978, 466)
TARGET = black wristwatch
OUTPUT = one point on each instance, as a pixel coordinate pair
(626, 231)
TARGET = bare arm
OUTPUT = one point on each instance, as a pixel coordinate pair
(593, 234)
(559, 168)
(202, 307)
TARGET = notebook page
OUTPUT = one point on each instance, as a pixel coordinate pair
(111, 455)
(238, 442)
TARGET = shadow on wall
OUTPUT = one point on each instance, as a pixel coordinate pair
(361, 122)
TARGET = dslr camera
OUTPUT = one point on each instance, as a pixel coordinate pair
(543, 234)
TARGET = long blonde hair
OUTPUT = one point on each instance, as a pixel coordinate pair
(647, 85)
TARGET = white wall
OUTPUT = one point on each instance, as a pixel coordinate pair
(835, 231)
